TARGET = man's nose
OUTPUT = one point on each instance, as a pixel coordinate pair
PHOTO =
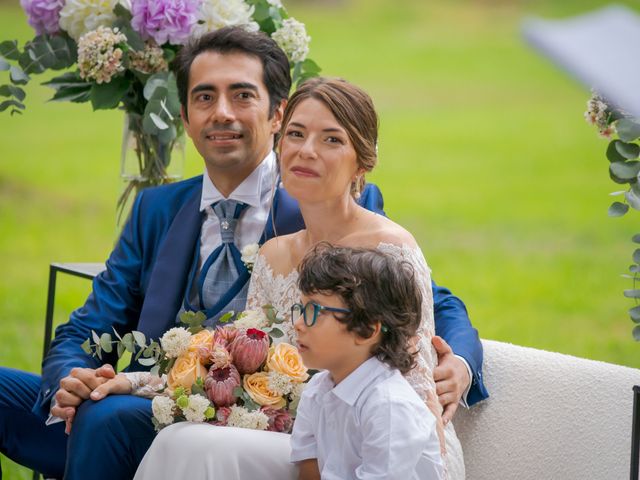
(223, 111)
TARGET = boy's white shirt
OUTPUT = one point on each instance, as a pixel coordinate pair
(372, 425)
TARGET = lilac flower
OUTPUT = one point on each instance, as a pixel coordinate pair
(164, 20)
(44, 15)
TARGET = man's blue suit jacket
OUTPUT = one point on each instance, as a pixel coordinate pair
(143, 285)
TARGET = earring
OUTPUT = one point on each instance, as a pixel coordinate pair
(355, 188)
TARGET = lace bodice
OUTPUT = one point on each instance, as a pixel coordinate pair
(281, 291)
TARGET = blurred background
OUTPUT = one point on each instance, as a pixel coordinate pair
(484, 156)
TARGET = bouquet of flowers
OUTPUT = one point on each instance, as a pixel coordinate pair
(233, 375)
(122, 52)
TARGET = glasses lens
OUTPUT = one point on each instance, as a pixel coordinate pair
(296, 311)
(309, 314)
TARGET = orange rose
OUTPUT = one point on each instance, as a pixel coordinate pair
(185, 371)
(202, 339)
(256, 386)
(285, 359)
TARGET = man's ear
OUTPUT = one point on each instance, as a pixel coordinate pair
(276, 119)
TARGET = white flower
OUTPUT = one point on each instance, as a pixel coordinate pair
(99, 57)
(78, 17)
(242, 418)
(194, 411)
(249, 255)
(175, 342)
(296, 393)
(215, 14)
(293, 39)
(162, 408)
(251, 319)
(275, 3)
(279, 383)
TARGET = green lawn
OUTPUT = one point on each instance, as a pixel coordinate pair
(484, 156)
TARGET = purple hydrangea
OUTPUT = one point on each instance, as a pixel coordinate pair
(44, 15)
(164, 20)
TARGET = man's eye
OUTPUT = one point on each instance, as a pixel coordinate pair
(204, 97)
(245, 95)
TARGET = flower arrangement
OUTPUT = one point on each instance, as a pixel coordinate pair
(233, 375)
(122, 51)
(623, 153)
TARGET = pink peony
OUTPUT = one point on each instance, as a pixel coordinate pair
(219, 385)
(280, 420)
(249, 350)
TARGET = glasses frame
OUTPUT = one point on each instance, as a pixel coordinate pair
(317, 308)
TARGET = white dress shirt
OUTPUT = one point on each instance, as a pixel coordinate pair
(372, 425)
(256, 190)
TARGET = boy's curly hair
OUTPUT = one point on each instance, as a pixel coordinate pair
(376, 287)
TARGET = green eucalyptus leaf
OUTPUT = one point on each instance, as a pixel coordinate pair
(105, 342)
(155, 370)
(632, 293)
(159, 80)
(618, 209)
(625, 275)
(636, 238)
(4, 65)
(96, 338)
(634, 313)
(121, 12)
(612, 152)
(147, 362)
(636, 333)
(78, 94)
(159, 123)
(140, 339)
(636, 255)
(12, 90)
(99, 351)
(11, 103)
(632, 199)
(9, 49)
(275, 333)
(628, 150)
(625, 170)
(116, 333)
(128, 342)
(120, 349)
(628, 129)
(18, 76)
(238, 391)
(108, 95)
(86, 347)
(634, 268)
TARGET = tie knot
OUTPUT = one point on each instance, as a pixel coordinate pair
(228, 212)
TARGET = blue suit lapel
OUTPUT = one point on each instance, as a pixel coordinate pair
(169, 276)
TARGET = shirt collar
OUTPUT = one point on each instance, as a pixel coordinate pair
(249, 191)
(349, 389)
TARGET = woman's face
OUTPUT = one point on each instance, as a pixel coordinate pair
(317, 159)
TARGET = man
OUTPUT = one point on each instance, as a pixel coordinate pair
(177, 252)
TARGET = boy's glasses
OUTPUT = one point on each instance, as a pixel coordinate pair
(310, 312)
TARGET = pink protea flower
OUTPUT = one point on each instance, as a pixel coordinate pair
(224, 336)
(222, 414)
(219, 385)
(280, 420)
(249, 350)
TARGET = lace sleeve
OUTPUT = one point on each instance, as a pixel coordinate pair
(421, 376)
(144, 384)
(259, 287)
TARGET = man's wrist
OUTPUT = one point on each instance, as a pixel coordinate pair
(463, 399)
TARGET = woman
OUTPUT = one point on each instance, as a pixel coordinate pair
(327, 145)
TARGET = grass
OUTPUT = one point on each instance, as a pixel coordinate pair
(484, 156)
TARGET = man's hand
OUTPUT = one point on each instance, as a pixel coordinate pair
(116, 385)
(451, 376)
(76, 388)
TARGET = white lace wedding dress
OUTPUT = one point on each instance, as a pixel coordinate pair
(205, 451)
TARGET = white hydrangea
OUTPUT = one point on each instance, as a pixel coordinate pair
(175, 342)
(162, 408)
(293, 39)
(240, 417)
(99, 57)
(249, 255)
(251, 319)
(78, 17)
(296, 393)
(194, 411)
(215, 14)
(279, 383)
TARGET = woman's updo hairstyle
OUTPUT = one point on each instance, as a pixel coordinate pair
(353, 109)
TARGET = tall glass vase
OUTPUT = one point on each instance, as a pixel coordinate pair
(148, 159)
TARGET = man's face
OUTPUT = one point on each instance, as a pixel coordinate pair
(228, 114)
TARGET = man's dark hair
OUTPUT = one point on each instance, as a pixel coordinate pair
(376, 287)
(275, 64)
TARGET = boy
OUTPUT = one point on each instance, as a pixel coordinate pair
(359, 418)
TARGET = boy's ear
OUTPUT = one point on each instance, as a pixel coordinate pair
(373, 338)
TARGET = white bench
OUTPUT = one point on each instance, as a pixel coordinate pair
(549, 416)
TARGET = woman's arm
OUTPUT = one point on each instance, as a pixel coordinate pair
(309, 470)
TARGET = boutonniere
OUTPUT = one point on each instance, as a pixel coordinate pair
(249, 255)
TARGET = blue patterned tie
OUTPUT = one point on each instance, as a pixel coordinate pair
(223, 268)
